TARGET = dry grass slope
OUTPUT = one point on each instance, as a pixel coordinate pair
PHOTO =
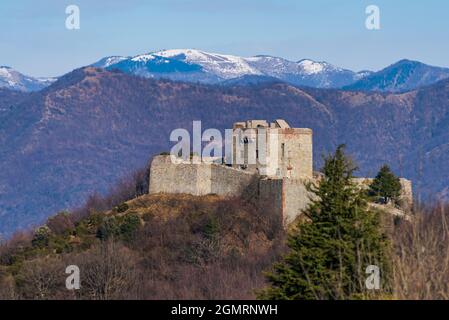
(182, 247)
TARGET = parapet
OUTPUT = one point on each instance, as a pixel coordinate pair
(279, 123)
(255, 124)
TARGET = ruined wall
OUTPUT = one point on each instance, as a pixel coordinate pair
(407, 193)
(167, 177)
(227, 181)
(285, 152)
(406, 196)
(286, 197)
(296, 160)
(196, 179)
(270, 193)
(296, 198)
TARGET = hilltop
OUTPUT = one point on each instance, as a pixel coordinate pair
(156, 247)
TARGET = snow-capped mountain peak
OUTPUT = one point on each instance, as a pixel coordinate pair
(201, 66)
(12, 79)
(143, 57)
(224, 66)
(312, 67)
(7, 75)
(108, 61)
(193, 65)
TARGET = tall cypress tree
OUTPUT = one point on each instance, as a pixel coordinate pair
(330, 252)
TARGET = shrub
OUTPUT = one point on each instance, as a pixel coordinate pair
(60, 223)
(123, 207)
(123, 228)
(41, 237)
(421, 255)
(129, 226)
(211, 229)
(108, 228)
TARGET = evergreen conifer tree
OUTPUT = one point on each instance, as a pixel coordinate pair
(329, 253)
(386, 185)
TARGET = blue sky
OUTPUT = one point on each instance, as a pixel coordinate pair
(34, 39)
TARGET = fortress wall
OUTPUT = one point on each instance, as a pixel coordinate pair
(296, 198)
(271, 194)
(286, 197)
(406, 191)
(298, 156)
(306, 153)
(203, 179)
(230, 182)
(197, 179)
(168, 177)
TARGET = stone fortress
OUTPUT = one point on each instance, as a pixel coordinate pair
(271, 162)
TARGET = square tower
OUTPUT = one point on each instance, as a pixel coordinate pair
(272, 149)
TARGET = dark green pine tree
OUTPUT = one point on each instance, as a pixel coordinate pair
(330, 251)
(386, 186)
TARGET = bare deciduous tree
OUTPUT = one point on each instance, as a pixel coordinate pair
(41, 278)
(108, 271)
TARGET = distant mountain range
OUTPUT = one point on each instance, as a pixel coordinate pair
(12, 79)
(402, 76)
(190, 65)
(63, 138)
(92, 126)
(199, 66)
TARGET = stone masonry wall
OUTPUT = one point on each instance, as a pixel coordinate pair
(196, 179)
(286, 197)
(270, 194)
(227, 181)
(166, 177)
(297, 161)
(296, 198)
